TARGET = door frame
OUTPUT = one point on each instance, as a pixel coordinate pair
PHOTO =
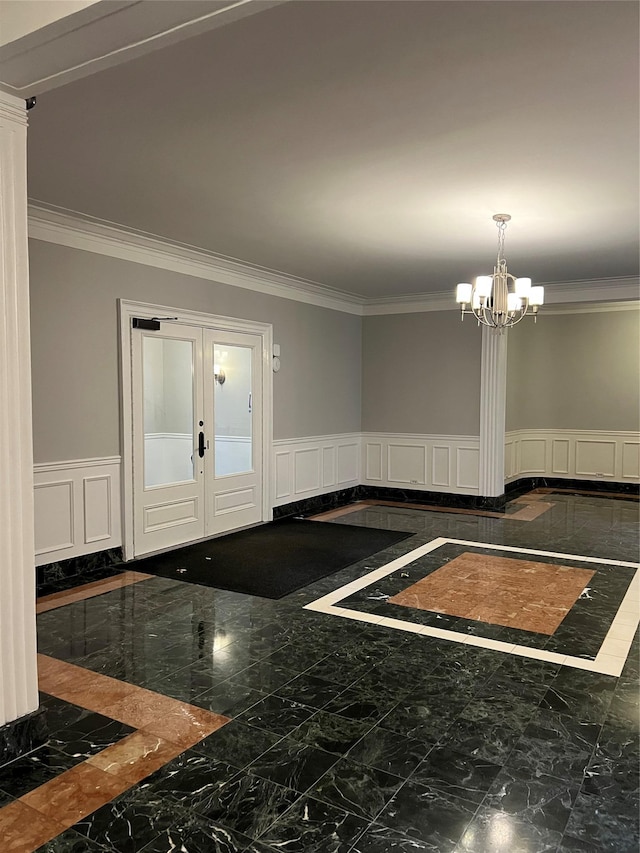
(126, 311)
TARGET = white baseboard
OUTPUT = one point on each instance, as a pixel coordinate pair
(573, 455)
(77, 508)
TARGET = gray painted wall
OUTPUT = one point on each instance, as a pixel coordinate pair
(575, 371)
(75, 350)
(421, 374)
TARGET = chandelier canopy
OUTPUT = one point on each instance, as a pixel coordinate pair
(500, 300)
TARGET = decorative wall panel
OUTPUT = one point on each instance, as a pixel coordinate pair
(595, 458)
(587, 455)
(348, 462)
(372, 461)
(306, 470)
(305, 467)
(561, 448)
(533, 452)
(631, 460)
(53, 505)
(434, 463)
(77, 508)
(440, 473)
(467, 469)
(329, 466)
(407, 464)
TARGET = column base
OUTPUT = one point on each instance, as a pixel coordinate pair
(22, 736)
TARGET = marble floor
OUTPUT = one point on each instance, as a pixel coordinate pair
(371, 712)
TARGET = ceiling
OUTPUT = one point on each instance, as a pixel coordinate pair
(366, 145)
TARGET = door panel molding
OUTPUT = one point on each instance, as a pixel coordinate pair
(126, 311)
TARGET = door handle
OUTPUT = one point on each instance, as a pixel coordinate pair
(250, 402)
(201, 445)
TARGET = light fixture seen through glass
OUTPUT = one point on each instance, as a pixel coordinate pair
(500, 300)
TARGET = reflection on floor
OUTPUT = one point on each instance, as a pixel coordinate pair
(358, 733)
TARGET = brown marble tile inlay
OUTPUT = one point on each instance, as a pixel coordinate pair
(136, 756)
(526, 513)
(23, 829)
(75, 794)
(88, 590)
(165, 728)
(499, 590)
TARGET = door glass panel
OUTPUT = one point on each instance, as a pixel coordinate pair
(168, 411)
(232, 405)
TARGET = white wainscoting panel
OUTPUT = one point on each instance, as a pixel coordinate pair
(348, 463)
(373, 461)
(434, 463)
(440, 455)
(328, 466)
(407, 464)
(306, 470)
(631, 460)
(595, 458)
(97, 508)
(53, 504)
(510, 466)
(468, 468)
(305, 467)
(574, 454)
(282, 469)
(533, 455)
(560, 453)
(77, 508)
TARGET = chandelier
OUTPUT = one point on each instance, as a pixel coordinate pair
(500, 300)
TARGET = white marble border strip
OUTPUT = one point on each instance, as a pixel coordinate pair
(612, 653)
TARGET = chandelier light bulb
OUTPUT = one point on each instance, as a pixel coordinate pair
(523, 287)
(463, 293)
(536, 296)
(484, 284)
(514, 303)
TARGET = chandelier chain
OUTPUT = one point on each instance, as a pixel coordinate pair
(502, 227)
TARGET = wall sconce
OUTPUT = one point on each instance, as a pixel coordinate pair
(218, 374)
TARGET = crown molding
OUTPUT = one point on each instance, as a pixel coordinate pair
(622, 288)
(584, 296)
(102, 35)
(592, 307)
(13, 107)
(411, 303)
(78, 231)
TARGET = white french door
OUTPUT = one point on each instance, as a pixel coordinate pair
(197, 418)
(233, 407)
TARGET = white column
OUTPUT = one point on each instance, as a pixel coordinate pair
(18, 672)
(493, 397)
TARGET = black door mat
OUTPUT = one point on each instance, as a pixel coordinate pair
(271, 560)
